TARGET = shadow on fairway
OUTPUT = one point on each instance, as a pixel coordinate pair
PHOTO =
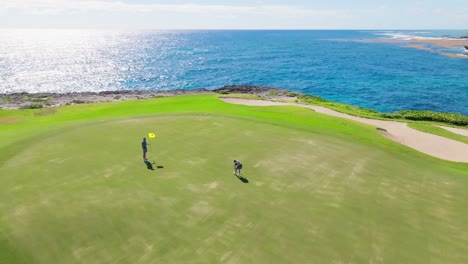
(242, 179)
(149, 165)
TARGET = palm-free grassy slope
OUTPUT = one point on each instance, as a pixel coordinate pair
(321, 189)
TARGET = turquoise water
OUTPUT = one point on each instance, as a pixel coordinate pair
(343, 66)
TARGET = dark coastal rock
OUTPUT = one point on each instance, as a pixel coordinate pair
(251, 89)
(39, 100)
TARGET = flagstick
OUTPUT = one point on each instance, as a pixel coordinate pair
(154, 160)
(150, 136)
(151, 149)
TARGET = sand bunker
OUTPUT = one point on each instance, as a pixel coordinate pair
(436, 146)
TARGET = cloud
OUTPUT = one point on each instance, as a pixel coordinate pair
(299, 12)
(73, 6)
(257, 14)
(99, 5)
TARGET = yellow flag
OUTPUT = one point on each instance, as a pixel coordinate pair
(151, 135)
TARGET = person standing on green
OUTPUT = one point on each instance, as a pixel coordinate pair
(144, 146)
(237, 168)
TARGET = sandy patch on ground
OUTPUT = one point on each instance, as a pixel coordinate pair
(417, 44)
(430, 144)
(436, 42)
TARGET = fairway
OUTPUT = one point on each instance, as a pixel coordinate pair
(314, 195)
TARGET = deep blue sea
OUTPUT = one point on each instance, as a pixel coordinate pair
(344, 66)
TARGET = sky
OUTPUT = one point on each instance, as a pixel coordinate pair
(235, 14)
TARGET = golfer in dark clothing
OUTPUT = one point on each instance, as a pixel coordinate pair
(237, 167)
(145, 148)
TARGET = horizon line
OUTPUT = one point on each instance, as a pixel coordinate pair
(233, 29)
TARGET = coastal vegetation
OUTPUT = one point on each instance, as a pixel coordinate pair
(413, 115)
(426, 115)
(74, 188)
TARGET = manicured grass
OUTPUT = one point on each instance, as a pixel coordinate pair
(74, 188)
(243, 96)
(438, 131)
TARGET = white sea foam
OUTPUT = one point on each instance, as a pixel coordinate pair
(408, 35)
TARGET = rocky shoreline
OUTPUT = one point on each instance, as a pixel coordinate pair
(40, 100)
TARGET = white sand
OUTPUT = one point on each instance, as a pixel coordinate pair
(437, 146)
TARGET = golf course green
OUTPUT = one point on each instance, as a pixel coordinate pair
(317, 189)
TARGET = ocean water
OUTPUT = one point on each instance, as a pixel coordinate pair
(344, 66)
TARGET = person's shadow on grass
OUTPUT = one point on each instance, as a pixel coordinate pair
(149, 165)
(242, 179)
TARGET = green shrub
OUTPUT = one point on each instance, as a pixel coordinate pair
(311, 98)
(223, 92)
(292, 94)
(78, 102)
(32, 106)
(425, 115)
(272, 93)
(39, 100)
